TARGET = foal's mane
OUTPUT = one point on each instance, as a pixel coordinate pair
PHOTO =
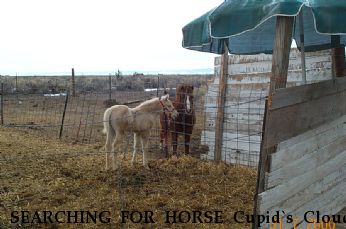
(147, 105)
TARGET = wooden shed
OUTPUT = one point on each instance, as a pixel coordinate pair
(301, 167)
(247, 87)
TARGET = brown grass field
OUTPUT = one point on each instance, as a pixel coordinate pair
(40, 173)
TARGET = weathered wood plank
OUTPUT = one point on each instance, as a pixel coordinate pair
(314, 132)
(262, 168)
(308, 92)
(264, 77)
(236, 141)
(274, 196)
(308, 170)
(330, 202)
(320, 59)
(341, 225)
(291, 121)
(294, 65)
(313, 191)
(306, 163)
(308, 144)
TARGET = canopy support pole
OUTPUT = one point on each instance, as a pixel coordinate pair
(281, 52)
(338, 57)
(278, 79)
(302, 48)
(221, 104)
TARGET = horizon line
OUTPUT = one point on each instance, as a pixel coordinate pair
(201, 71)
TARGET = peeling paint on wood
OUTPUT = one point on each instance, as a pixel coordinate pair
(308, 173)
(247, 87)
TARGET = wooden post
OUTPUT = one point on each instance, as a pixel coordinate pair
(221, 105)
(16, 87)
(281, 52)
(63, 116)
(338, 57)
(260, 170)
(73, 84)
(2, 103)
(16, 83)
(338, 61)
(110, 87)
(158, 86)
(302, 48)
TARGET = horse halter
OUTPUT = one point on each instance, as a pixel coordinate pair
(166, 108)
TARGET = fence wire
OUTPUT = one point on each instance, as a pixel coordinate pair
(81, 121)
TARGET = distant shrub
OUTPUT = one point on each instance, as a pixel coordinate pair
(86, 84)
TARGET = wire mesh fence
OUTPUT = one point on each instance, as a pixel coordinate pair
(79, 118)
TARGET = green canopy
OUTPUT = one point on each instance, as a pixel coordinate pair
(248, 26)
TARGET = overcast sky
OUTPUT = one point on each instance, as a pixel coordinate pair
(52, 36)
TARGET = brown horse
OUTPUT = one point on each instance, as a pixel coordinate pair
(183, 123)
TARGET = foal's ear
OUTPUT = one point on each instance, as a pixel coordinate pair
(165, 97)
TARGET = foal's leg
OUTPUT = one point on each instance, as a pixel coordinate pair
(164, 142)
(187, 143)
(136, 139)
(145, 140)
(164, 134)
(108, 146)
(162, 137)
(116, 143)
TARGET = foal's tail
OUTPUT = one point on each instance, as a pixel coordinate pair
(107, 126)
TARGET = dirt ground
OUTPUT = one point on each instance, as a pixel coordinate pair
(45, 174)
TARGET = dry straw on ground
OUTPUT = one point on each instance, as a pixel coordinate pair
(40, 174)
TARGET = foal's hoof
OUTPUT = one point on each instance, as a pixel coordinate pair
(146, 167)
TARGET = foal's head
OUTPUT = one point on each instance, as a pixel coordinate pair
(167, 106)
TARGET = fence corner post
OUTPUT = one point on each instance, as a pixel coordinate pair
(221, 105)
(73, 84)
